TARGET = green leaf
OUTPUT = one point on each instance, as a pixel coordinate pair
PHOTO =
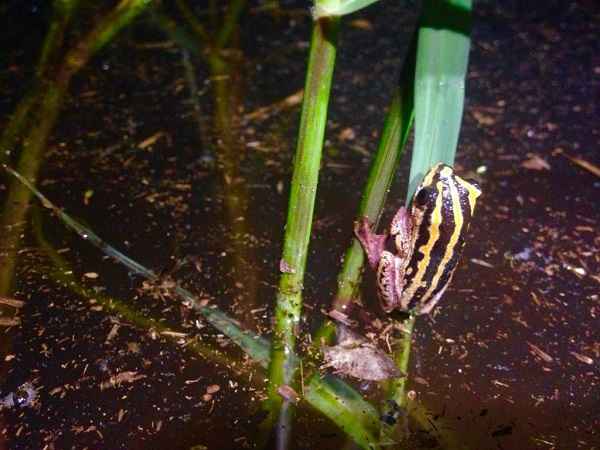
(329, 8)
(442, 57)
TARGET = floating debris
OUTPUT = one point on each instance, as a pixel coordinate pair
(539, 352)
(12, 302)
(288, 393)
(24, 396)
(359, 358)
(128, 376)
(535, 162)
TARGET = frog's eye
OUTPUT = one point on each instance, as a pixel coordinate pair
(422, 196)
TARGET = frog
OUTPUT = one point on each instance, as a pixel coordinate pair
(415, 260)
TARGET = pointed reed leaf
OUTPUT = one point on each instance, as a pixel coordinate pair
(442, 57)
(441, 66)
(330, 8)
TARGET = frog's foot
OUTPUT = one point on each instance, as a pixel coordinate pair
(373, 244)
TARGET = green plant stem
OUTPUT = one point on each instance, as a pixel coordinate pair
(396, 129)
(401, 352)
(193, 22)
(17, 201)
(63, 13)
(230, 23)
(301, 203)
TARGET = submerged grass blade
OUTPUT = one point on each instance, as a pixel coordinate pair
(61, 272)
(331, 395)
(442, 57)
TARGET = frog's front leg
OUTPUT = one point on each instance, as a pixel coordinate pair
(373, 244)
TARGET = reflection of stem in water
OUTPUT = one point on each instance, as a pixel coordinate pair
(34, 141)
(53, 42)
(224, 65)
(190, 77)
(17, 200)
(226, 86)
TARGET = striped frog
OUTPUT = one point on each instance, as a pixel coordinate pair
(415, 261)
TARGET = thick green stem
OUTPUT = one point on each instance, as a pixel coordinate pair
(395, 133)
(300, 209)
(401, 350)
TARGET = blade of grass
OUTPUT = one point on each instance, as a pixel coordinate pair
(346, 408)
(330, 8)
(442, 58)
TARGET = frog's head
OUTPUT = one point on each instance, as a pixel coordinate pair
(442, 191)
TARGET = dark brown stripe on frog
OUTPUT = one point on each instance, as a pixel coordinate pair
(472, 190)
(459, 201)
(441, 253)
(428, 234)
(454, 222)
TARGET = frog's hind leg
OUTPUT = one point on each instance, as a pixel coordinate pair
(401, 229)
(386, 281)
(373, 244)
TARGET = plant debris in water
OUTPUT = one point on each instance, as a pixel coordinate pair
(357, 357)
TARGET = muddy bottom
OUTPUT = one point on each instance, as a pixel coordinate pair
(97, 358)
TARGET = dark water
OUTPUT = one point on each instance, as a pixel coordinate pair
(510, 360)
